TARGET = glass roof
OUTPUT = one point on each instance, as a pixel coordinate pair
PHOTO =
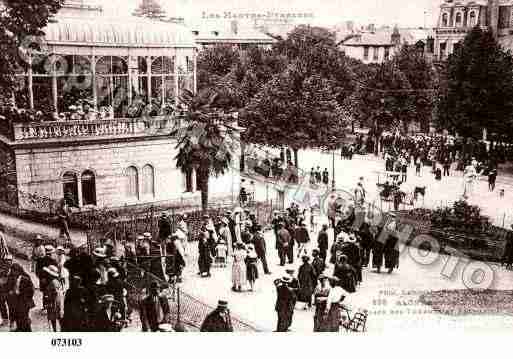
(132, 32)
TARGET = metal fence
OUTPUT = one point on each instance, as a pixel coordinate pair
(185, 309)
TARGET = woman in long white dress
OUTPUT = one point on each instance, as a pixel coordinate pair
(239, 267)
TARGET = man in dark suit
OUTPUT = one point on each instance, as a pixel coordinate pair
(219, 320)
(260, 248)
(154, 309)
(285, 303)
(322, 242)
(164, 227)
(283, 243)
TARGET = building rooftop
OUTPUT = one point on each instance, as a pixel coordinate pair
(383, 37)
(131, 32)
(239, 34)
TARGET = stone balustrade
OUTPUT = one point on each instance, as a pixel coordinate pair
(118, 127)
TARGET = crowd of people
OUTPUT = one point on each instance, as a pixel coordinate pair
(442, 153)
(88, 292)
(348, 255)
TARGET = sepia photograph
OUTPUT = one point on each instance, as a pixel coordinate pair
(188, 166)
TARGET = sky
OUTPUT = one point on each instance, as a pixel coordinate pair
(326, 12)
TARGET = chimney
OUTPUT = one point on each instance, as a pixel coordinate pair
(235, 27)
(493, 13)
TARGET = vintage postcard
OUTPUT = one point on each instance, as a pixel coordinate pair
(255, 166)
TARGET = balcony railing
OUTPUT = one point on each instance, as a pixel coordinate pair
(118, 127)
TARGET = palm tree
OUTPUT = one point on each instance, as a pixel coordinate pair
(205, 143)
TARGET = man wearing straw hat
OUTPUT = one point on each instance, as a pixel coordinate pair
(219, 320)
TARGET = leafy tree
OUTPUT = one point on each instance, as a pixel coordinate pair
(214, 63)
(315, 51)
(383, 101)
(478, 91)
(421, 76)
(19, 22)
(203, 145)
(150, 9)
(296, 111)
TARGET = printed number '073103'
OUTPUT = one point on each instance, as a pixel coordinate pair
(66, 342)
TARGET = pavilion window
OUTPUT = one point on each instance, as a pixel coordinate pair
(132, 183)
(148, 181)
(366, 52)
(88, 188)
(163, 80)
(74, 81)
(112, 84)
(143, 78)
(70, 189)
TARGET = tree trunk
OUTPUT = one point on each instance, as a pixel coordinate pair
(296, 160)
(376, 145)
(242, 157)
(203, 182)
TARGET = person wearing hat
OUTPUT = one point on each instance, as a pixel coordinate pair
(390, 250)
(21, 295)
(261, 248)
(322, 242)
(318, 264)
(285, 303)
(226, 235)
(346, 273)
(55, 292)
(302, 237)
(321, 296)
(155, 309)
(246, 235)
(117, 287)
(164, 224)
(307, 282)
(38, 252)
(143, 251)
(283, 243)
(6, 308)
(294, 282)
(175, 256)
(237, 219)
(352, 250)
(44, 279)
(204, 253)
(75, 307)
(100, 264)
(63, 213)
(219, 320)
(239, 267)
(332, 311)
(107, 317)
(251, 266)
